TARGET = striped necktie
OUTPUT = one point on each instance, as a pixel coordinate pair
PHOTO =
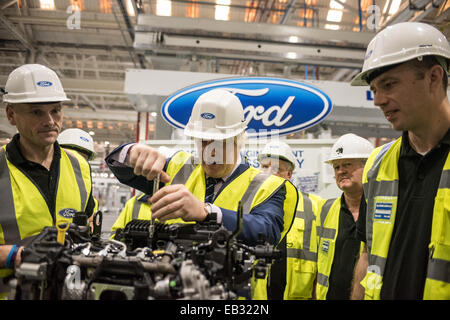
(210, 184)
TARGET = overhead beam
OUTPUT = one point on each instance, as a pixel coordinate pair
(148, 23)
(298, 50)
(7, 3)
(407, 11)
(27, 43)
(113, 115)
(107, 87)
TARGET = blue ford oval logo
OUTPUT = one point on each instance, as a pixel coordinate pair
(44, 84)
(272, 106)
(67, 213)
(207, 115)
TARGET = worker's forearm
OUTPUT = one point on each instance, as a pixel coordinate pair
(4, 252)
(359, 274)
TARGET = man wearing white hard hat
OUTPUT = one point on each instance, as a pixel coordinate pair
(40, 180)
(78, 140)
(212, 187)
(338, 244)
(406, 183)
(291, 278)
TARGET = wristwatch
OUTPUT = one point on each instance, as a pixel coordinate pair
(211, 216)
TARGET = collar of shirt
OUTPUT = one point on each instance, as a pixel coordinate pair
(15, 155)
(407, 150)
(224, 179)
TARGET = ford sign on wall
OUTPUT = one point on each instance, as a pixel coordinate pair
(272, 106)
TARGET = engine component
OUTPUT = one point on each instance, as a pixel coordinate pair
(151, 261)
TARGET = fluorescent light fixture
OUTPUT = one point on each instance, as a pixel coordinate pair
(222, 9)
(386, 6)
(394, 6)
(291, 55)
(47, 4)
(130, 8)
(293, 39)
(163, 8)
(336, 5)
(332, 26)
(334, 16)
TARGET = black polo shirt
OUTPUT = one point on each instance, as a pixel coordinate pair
(346, 253)
(45, 180)
(419, 176)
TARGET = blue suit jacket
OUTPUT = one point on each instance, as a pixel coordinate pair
(265, 219)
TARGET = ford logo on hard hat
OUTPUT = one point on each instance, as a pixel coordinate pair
(272, 106)
(207, 115)
(44, 84)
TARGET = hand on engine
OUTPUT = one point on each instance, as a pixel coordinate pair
(147, 162)
(175, 201)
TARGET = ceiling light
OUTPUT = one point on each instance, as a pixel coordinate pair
(336, 5)
(130, 8)
(334, 16)
(92, 133)
(47, 4)
(394, 6)
(291, 55)
(222, 9)
(293, 39)
(331, 26)
(163, 8)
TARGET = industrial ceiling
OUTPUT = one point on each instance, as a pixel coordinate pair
(92, 43)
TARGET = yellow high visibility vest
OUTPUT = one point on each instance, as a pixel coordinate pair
(251, 187)
(327, 230)
(327, 226)
(380, 180)
(136, 209)
(301, 254)
(24, 210)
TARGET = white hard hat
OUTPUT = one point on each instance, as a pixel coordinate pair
(402, 42)
(217, 114)
(79, 140)
(350, 146)
(278, 149)
(32, 83)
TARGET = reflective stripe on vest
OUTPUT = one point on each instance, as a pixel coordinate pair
(8, 221)
(79, 177)
(326, 233)
(250, 193)
(323, 232)
(294, 278)
(380, 181)
(136, 209)
(20, 186)
(308, 217)
(301, 265)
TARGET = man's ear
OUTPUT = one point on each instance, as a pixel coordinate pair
(436, 75)
(10, 114)
(289, 174)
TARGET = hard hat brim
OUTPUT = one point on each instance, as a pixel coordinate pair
(213, 134)
(354, 156)
(34, 100)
